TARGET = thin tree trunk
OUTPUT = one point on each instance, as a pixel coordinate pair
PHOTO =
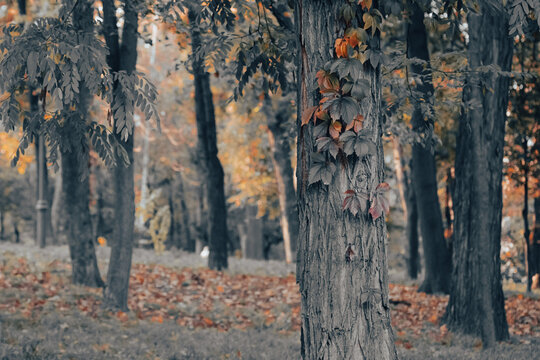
(1, 225)
(413, 261)
(207, 150)
(122, 57)
(345, 306)
(437, 259)
(400, 174)
(187, 242)
(281, 159)
(536, 242)
(59, 214)
(525, 216)
(476, 303)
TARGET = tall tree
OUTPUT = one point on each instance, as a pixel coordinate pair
(122, 58)
(476, 302)
(281, 158)
(74, 152)
(208, 151)
(437, 258)
(342, 268)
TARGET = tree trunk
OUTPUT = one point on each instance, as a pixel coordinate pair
(476, 303)
(207, 150)
(525, 215)
(413, 261)
(281, 159)
(1, 225)
(75, 177)
(253, 242)
(122, 57)
(76, 189)
(187, 242)
(437, 259)
(536, 242)
(345, 306)
(59, 214)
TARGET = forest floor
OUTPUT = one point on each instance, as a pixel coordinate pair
(181, 310)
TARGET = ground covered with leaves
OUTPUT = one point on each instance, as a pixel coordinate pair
(195, 313)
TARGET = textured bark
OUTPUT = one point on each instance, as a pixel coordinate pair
(476, 303)
(345, 306)
(437, 258)
(208, 151)
(75, 177)
(281, 159)
(122, 57)
(76, 190)
(59, 214)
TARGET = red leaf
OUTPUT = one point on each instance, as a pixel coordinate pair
(379, 204)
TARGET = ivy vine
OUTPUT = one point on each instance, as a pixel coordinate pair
(338, 118)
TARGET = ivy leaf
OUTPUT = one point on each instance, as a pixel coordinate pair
(321, 129)
(328, 144)
(355, 202)
(346, 108)
(379, 203)
(356, 124)
(321, 169)
(335, 129)
(308, 114)
(359, 144)
(347, 67)
(360, 89)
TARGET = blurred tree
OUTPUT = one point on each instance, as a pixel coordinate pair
(476, 302)
(437, 257)
(522, 149)
(210, 165)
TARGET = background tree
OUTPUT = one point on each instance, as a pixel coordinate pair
(476, 302)
(521, 150)
(212, 171)
(122, 60)
(437, 257)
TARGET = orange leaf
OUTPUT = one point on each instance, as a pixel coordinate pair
(335, 129)
(207, 321)
(308, 114)
(366, 4)
(220, 289)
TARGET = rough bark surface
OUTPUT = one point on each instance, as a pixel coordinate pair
(437, 258)
(75, 180)
(345, 306)
(208, 151)
(122, 57)
(281, 158)
(476, 303)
